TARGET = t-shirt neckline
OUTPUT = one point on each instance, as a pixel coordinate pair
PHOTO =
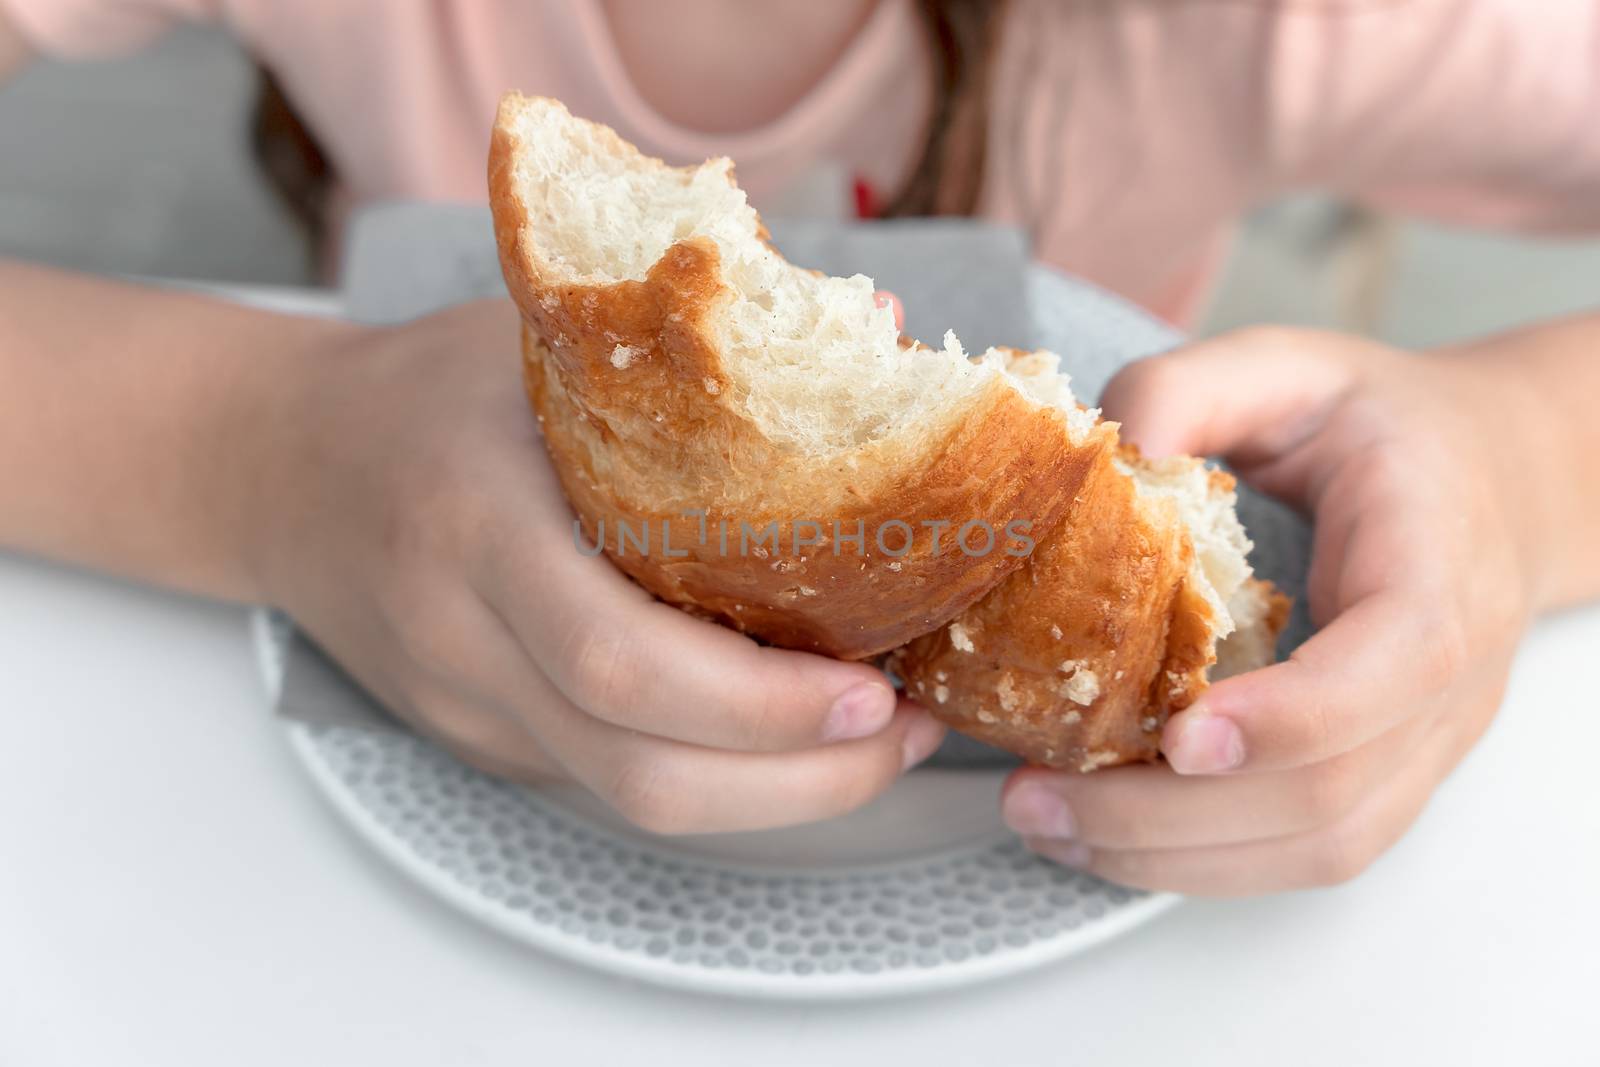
(826, 103)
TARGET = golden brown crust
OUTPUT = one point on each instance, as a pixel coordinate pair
(664, 433)
(1278, 606)
(853, 603)
(1066, 662)
(1072, 657)
(1264, 614)
(1077, 660)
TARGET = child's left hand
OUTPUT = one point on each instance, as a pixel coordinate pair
(1427, 566)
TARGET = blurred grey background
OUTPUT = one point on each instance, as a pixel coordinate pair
(141, 165)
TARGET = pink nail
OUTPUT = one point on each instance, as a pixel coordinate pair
(860, 711)
(892, 302)
(1033, 809)
(1209, 744)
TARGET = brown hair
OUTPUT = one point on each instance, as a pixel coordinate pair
(291, 158)
(945, 180)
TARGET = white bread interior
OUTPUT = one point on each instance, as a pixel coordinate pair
(812, 359)
(1184, 487)
(1220, 566)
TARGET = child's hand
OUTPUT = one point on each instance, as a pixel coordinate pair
(417, 531)
(1428, 504)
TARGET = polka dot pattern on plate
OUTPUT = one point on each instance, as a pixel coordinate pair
(542, 867)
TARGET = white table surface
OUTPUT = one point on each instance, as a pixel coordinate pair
(173, 892)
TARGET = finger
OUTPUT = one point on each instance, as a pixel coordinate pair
(469, 725)
(885, 299)
(669, 787)
(634, 662)
(1326, 856)
(1376, 521)
(482, 737)
(1397, 645)
(1331, 536)
(1150, 807)
(1246, 395)
(672, 787)
(1376, 665)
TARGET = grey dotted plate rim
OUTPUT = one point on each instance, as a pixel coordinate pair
(1114, 911)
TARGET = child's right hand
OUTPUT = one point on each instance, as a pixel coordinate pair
(413, 525)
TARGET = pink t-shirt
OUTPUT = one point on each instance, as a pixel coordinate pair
(1125, 136)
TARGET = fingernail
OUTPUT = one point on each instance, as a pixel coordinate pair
(892, 302)
(1209, 744)
(1033, 809)
(860, 711)
(922, 740)
(1067, 853)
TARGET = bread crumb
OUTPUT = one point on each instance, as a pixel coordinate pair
(1068, 718)
(1118, 676)
(959, 637)
(806, 590)
(1149, 723)
(623, 356)
(1095, 759)
(713, 386)
(941, 693)
(1055, 631)
(894, 565)
(1083, 688)
(985, 715)
(1010, 699)
(1082, 685)
(920, 686)
(940, 676)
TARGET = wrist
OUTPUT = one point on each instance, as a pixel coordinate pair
(260, 460)
(1534, 447)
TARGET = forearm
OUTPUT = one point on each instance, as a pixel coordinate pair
(131, 425)
(1550, 376)
(14, 51)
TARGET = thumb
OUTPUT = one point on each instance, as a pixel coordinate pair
(1247, 395)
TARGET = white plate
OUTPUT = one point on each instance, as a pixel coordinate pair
(922, 890)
